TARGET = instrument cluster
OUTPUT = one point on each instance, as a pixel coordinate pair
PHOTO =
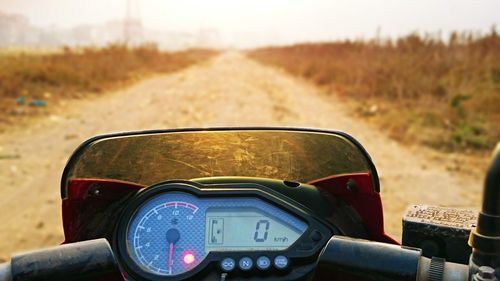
(176, 230)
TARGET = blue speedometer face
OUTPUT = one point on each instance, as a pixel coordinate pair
(164, 235)
(173, 232)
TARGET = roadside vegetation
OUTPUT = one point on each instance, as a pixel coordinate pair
(31, 82)
(445, 94)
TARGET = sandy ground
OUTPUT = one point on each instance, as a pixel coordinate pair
(230, 90)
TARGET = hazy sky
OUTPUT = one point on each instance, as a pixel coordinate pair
(249, 22)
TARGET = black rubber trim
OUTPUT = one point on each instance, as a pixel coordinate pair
(79, 149)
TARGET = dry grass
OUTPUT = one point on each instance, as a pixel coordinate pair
(74, 73)
(444, 94)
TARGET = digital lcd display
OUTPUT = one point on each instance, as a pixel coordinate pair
(248, 229)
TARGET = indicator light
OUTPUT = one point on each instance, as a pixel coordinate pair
(188, 258)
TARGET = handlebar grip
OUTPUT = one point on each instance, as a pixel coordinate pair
(369, 260)
(346, 258)
(87, 260)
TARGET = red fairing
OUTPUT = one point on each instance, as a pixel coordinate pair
(363, 199)
(84, 203)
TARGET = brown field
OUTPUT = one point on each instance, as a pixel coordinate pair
(31, 82)
(228, 90)
(417, 88)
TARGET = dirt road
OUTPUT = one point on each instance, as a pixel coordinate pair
(230, 90)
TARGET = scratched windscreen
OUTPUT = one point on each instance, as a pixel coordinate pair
(152, 158)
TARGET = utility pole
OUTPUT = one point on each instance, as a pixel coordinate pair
(132, 25)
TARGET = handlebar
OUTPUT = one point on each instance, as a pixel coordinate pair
(355, 259)
(82, 261)
(343, 258)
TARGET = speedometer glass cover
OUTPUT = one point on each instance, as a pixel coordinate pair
(173, 232)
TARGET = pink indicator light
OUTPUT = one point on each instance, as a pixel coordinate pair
(188, 258)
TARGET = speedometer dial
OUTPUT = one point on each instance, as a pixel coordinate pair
(163, 236)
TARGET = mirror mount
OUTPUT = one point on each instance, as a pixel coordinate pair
(485, 238)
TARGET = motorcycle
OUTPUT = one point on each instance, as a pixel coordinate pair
(250, 204)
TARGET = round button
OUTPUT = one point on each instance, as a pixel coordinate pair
(263, 263)
(245, 263)
(228, 264)
(281, 262)
(316, 236)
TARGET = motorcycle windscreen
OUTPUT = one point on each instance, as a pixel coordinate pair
(149, 158)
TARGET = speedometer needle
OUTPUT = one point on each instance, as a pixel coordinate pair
(170, 254)
(173, 236)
